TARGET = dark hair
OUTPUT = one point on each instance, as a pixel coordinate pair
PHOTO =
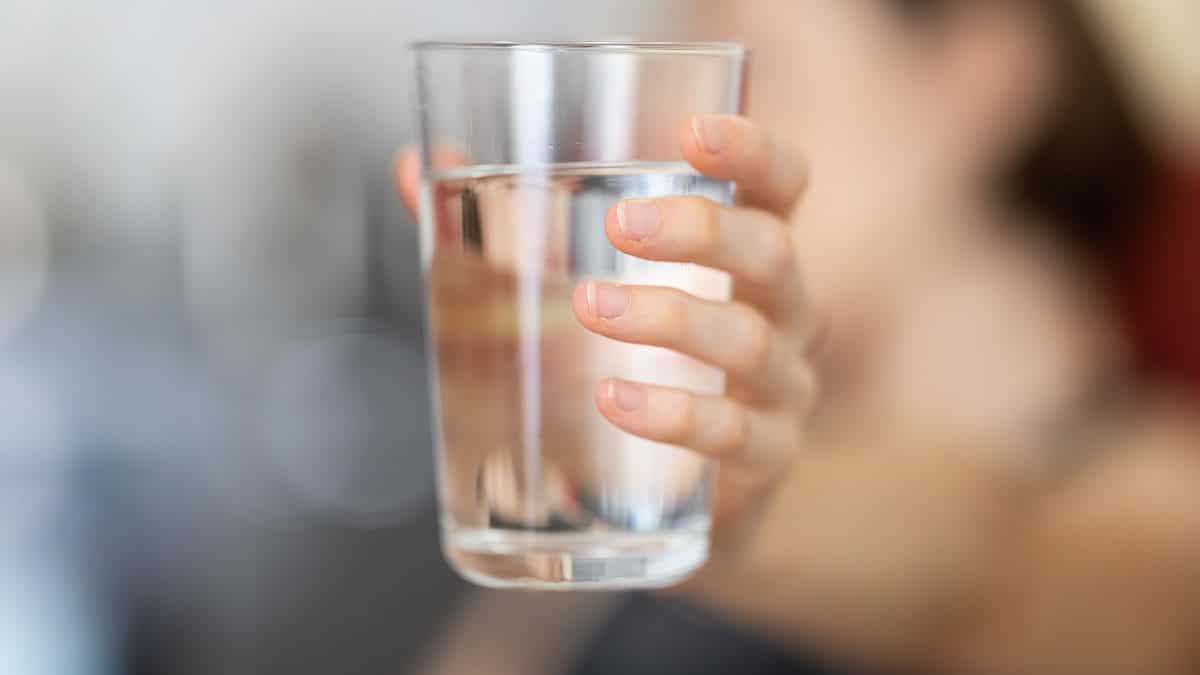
(1090, 171)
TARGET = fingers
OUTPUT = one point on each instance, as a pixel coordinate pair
(406, 171)
(713, 426)
(750, 244)
(731, 336)
(768, 174)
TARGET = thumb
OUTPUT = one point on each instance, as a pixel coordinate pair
(406, 173)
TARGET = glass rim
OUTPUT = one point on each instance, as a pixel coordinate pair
(683, 48)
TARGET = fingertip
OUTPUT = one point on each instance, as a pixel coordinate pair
(693, 152)
(620, 401)
(612, 226)
(709, 142)
(730, 147)
(634, 225)
(688, 140)
(580, 303)
(604, 394)
(406, 165)
(449, 156)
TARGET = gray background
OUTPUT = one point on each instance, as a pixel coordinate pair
(215, 451)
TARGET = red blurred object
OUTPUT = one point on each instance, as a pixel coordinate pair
(1164, 283)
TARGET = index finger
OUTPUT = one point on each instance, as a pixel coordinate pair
(768, 174)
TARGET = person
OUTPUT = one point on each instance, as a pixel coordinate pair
(930, 195)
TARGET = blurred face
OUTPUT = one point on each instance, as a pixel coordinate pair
(907, 110)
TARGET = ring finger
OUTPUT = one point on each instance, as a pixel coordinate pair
(731, 336)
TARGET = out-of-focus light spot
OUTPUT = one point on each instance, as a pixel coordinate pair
(23, 249)
(345, 426)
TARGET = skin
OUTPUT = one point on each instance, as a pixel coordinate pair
(924, 519)
(759, 339)
(952, 564)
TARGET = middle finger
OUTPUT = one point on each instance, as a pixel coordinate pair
(731, 336)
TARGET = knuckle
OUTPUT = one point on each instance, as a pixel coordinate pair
(755, 155)
(808, 388)
(734, 433)
(779, 259)
(779, 172)
(708, 228)
(803, 389)
(757, 342)
(698, 222)
(763, 151)
(679, 421)
(740, 133)
(790, 171)
(672, 321)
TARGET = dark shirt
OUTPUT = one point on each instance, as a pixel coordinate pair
(650, 636)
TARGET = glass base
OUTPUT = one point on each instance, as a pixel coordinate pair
(576, 560)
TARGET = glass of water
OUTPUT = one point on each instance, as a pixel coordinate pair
(525, 147)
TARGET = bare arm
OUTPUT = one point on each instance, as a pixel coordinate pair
(1105, 576)
(892, 553)
(920, 559)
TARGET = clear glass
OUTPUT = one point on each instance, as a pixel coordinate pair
(524, 148)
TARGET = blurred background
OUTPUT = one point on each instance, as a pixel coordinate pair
(215, 449)
(214, 442)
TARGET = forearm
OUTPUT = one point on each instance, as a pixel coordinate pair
(924, 560)
(869, 555)
(1105, 577)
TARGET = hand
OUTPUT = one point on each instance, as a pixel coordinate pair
(761, 339)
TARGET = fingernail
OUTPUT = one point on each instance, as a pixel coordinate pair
(627, 397)
(606, 300)
(709, 133)
(638, 218)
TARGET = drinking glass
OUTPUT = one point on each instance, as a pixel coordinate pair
(524, 149)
